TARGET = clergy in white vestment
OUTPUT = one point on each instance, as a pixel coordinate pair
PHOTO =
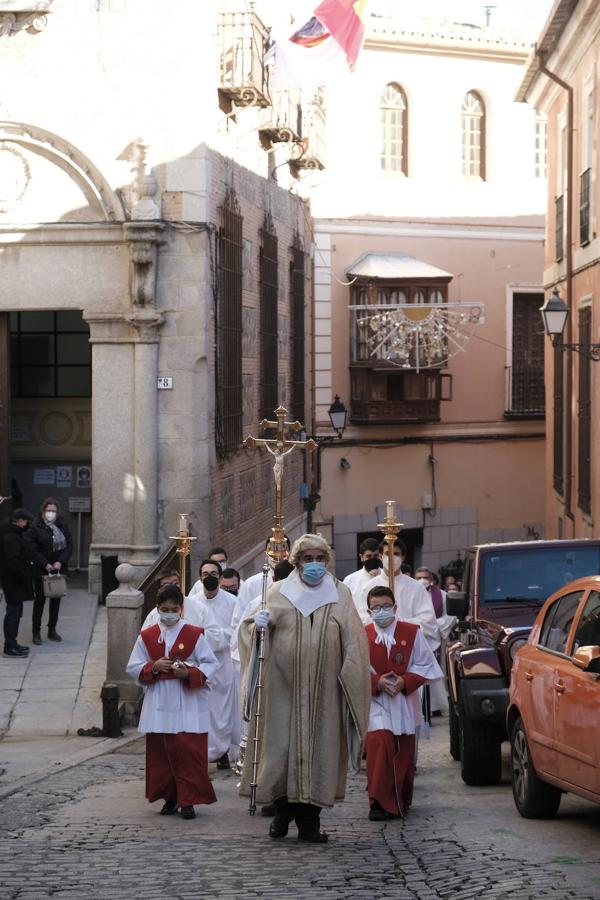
(175, 665)
(316, 690)
(217, 608)
(355, 581)
(401, 662)
(414, 602)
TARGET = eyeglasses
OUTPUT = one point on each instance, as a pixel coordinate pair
(386, 608)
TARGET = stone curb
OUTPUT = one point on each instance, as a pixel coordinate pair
(99, 748)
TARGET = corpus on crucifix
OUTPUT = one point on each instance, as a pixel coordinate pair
(279, 447)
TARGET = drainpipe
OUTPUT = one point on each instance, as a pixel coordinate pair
(569, 279)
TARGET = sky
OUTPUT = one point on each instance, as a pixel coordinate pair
(524, 16)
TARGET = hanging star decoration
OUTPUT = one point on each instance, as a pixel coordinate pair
(416, 336)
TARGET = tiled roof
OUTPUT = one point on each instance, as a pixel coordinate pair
(445, 31)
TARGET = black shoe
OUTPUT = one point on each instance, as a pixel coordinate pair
(223, 762)
(279, 826)
(377, 813)
(188, 812)
(313, 836)
(169, 808)
(22, 648)
(37, 638)
(269, 809)
(17, 652)
(53, 635)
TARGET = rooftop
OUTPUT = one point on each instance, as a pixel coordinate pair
(416, 29)
(393, 266)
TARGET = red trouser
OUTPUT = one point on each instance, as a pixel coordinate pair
(177, 769)
(390, 770)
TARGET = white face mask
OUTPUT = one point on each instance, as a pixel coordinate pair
(169, 618)
(423, 581)
(50, 516)
(397, 564)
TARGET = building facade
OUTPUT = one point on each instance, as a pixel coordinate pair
(562, 83)
(433, 197)
(150, 261)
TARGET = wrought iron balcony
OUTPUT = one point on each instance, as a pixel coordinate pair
(311, 153)
(243, 76)
(283, 120)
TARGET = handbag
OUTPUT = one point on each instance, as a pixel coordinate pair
(54, 585)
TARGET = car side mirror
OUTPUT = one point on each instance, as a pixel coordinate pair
(585, 657)
(456, 604)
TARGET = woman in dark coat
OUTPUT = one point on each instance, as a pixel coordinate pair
(50, 546)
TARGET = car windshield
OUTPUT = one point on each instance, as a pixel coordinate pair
(529, 575)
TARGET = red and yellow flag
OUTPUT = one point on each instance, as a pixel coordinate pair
(344, 19)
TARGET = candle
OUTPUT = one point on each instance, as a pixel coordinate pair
(183, 525)
(390, 506)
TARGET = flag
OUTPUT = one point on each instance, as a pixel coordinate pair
(323, 49)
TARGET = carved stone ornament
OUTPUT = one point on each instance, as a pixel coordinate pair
(143, 238)
(146, 322)
(20, 15)
(145, 186)
(15, 176)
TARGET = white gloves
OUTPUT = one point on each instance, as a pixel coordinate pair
(261, 619)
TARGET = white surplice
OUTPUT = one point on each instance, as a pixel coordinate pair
(357, 582)
(402, 714)
(169, 707)
(225, 716)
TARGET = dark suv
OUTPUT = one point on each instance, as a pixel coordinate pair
(504, 587)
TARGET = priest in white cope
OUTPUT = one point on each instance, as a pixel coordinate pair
(316, 690)
(401, 662)
(174, 664)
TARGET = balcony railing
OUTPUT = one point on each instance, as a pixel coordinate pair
(585, 180)
(559, 234)
(312, 155)
(384, 412)
(525, 393)
(283, 120)
(243, 77)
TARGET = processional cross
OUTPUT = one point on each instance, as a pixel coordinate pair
(279, 447)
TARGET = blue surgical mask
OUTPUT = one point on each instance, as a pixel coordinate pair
(313, 572)
(382, 617)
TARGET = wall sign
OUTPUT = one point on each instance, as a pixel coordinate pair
(80, 504)
(44, 476)
(84, 477)
(165, 383)
(64, 476)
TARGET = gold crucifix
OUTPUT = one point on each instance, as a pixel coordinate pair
(279, 447)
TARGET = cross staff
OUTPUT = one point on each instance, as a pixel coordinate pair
(279, 447)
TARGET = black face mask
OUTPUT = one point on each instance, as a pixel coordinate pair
(233, 591)
(210, 582)
(371, 564)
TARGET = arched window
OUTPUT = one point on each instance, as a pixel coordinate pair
(473, 136)
(394, 131)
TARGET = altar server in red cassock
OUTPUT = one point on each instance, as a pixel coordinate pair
(401, 661)
(174, 664)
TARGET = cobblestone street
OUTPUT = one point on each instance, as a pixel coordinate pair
(88, 832)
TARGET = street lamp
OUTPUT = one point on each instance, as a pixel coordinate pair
(338, 415)
(554, 315)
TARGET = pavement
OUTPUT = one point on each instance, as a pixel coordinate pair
(47, 696)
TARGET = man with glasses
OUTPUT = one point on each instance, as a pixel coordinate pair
(315, 698)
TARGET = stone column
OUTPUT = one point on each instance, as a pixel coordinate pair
(124, 612)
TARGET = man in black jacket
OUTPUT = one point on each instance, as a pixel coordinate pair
(16, 574)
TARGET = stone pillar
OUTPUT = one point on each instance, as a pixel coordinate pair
(124, 612)
(145, 445)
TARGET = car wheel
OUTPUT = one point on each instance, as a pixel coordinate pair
(534, 798)
(480, 751)
(453, 728)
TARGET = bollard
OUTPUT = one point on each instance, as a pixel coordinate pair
(111, 726)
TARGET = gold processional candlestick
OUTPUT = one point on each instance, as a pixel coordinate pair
(279, 447)
(183, 539)
(391, 528)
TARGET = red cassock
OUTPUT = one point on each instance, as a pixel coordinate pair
(176, 764)
(391, 757)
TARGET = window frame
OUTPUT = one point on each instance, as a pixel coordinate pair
(268, 319)
(550, 617)
(592, 594)
(474, 160)
(18, 367)
(399, 136)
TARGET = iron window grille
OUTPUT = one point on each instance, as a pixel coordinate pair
(585, 180)
(297, 275)
(394, 130)
(559, 240)
(584, 467)
(558, 425)
(228, 368)
(268, 320)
